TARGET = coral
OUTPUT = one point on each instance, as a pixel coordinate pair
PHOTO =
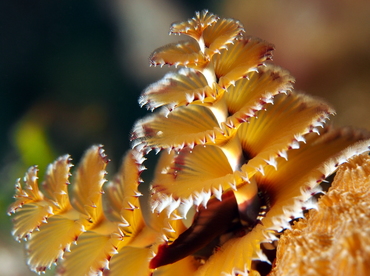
(238, 147)
(334, 238)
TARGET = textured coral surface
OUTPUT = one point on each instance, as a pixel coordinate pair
(334, 238)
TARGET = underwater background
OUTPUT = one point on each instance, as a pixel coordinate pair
(71, 73)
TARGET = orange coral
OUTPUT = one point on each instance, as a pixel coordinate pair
(334, 238)
(241, 149)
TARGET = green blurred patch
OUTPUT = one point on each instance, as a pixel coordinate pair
(30, 140)
(31, 146)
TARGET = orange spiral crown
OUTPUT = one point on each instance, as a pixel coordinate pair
(238, 146)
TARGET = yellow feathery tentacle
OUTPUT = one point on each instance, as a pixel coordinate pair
(177, 89)
(195, 26)
(239, 59)
(251, 94)
(87, 188)
(221, 34)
